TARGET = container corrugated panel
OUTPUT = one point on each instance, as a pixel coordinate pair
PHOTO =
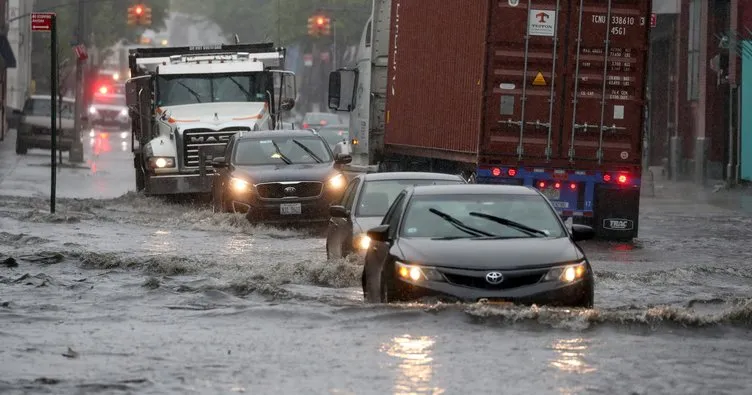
(435, 76)
(532, 116)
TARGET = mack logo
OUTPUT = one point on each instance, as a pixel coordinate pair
(209, 139)
(618, 224)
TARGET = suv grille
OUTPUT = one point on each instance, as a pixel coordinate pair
(212, 141)
(276, 190)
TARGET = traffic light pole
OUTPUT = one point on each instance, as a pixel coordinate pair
(77, 149)
(334, 43)
(53, 112)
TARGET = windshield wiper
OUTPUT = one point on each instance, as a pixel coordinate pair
(194, 93)
(461, 225)
(308, 150)
(512, 224)
(245, 91)
(281, 155)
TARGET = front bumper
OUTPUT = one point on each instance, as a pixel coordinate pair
(551, 293)
(312, 209)
(44, 141)
(178, 184)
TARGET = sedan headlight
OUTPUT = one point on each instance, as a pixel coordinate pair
(161, 162)
(336, 182)
(417, 273)
(567, 273)
(240, 185)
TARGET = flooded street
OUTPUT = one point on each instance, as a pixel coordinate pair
(134, 295)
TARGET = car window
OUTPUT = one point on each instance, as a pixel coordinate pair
(41, 107)
(263, 151)
(114, 100)
(349, 196)
(393, 209)
(378, 195)
(395, 214)
(532, 211)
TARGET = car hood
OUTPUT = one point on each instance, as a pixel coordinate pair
(113, 107)
(489, 254)
(364, 224)
(283, 172)
(225, 112)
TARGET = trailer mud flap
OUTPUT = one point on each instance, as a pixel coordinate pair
(616, 215)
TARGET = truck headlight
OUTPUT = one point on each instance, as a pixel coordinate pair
(417, 273)
(240, 185)
(161, 162)
(336, 182)
(567, 273)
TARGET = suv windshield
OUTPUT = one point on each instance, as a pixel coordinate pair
(531, 211)
(377, 196)
(281, 150)
(173, 90)
(41, 107)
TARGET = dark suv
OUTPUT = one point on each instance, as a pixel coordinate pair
(278, 176)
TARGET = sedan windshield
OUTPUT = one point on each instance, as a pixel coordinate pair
(496, 215)
(212, 88)
(377, 196)
(281, 150)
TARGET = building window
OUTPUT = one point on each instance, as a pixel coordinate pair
(693, 50)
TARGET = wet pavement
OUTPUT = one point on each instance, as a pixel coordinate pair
(118, 293)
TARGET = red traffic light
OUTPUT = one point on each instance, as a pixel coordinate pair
(139, 10)
(320, 21)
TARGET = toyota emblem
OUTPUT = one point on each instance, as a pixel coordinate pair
(290, 190)
(494, 278)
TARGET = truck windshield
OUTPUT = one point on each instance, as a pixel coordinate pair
(174, 90)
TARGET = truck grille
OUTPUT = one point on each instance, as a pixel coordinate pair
(276, 190)
(213, 142)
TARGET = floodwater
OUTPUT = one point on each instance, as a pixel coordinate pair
(134, 295)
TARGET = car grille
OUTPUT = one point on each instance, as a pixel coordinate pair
(480, 282)
(213, 142)
(276, 190)
(109, 113)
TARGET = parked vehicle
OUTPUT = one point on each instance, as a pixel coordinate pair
(35, 127)
(288, 176)
(549, 96)
(364, 204)
(502, 243)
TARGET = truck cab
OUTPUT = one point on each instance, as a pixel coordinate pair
(186, 103)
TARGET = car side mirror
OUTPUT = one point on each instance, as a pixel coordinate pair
(342, 159)
(339, 212)
(582, 232)
(219, 162)
(342, 89)
(379, 233)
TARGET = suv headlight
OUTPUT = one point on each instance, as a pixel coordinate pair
(417, 273)
(567, 273)
(240, 185)
(161, 162)
(336, 182)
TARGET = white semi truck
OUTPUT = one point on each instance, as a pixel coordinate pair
(186, 102)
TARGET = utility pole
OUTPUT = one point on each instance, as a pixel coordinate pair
(77, 149)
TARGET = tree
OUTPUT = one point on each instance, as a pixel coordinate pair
(106, 22)
(281, 21)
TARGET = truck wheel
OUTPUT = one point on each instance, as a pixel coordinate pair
(21, 148)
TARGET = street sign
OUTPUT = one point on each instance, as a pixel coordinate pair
(41, 21)
(653, 20)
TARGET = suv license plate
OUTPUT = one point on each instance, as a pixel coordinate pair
(290, 209)
(551, 193)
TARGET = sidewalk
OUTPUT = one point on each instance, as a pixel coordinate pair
(107, 171)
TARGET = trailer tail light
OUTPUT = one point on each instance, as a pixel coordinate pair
(557, 185)
(512, 172)
(607, 177)
(496, 171)
(622, 179)
(573, 186)
(541, 185)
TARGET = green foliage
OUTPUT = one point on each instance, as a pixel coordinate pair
(106, 22)
(281, 21)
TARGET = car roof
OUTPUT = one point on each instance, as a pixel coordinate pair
(474, 189)
(276, 133)
(47, 97)
(410, 175)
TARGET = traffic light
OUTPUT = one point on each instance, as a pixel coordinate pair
(139, 14)
(319, 25)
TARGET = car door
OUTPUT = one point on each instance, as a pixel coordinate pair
(340, 229)
(221, 180)
(378, 255)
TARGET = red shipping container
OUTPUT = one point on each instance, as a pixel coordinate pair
(465, 82)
